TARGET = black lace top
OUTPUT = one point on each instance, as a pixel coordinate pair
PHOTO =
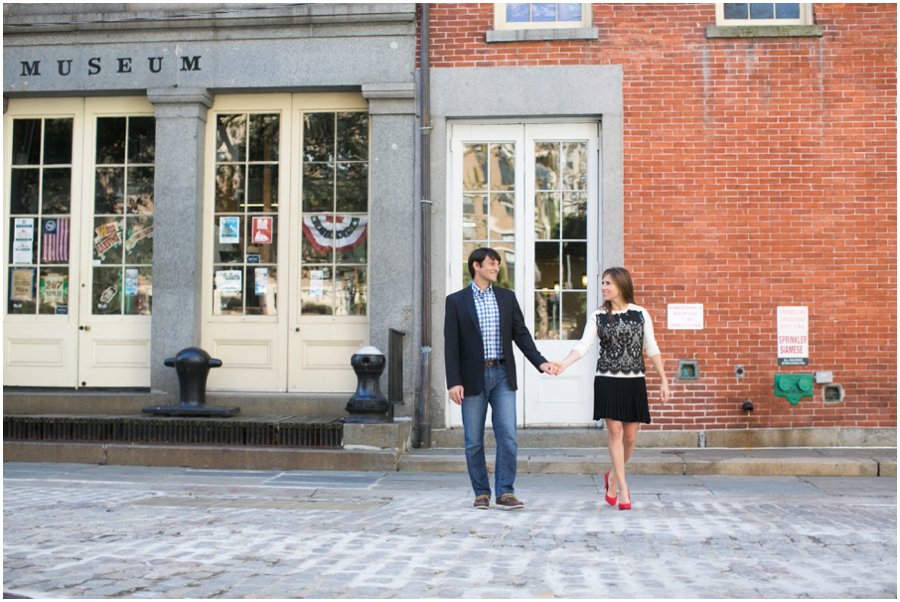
(622, 341)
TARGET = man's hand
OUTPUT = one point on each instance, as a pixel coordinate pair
(549, 368)
(456, 394)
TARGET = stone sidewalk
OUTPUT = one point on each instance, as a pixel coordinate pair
(87, 531)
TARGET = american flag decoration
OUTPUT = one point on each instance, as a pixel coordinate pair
(335, 232)
(55, 240)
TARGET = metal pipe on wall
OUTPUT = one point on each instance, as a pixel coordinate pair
(424, 416)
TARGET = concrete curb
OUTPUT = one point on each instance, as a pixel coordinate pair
(843, 462)
(195, 456)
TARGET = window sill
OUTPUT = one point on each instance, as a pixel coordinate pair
(764, 31)
(541, 35)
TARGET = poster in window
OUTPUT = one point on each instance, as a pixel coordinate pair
(229, 230)
(55, 240)
(55, 289)
(23, 240)
(316, 283)
(108, 236)
(262, 281)
(262, 231)
(108, 294)
(21, 286)
(131, 282)
(228, 281)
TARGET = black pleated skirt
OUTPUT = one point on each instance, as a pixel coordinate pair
(623, 399)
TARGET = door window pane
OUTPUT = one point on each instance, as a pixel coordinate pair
(122, 255)
(316, 286)
(39, 222)
(560, 248)
(489, 211)
(27, 142)
(24, 191)
(57, 142)
(350, 291)
(57, 190)
(262, 286)
(245, 223)
(335, 221)
(54, 289)
(138, 291)
(574, 315)
(106, 292)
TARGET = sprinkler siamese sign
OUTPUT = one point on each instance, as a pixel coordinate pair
(793, 336)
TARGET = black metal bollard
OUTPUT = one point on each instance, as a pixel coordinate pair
(368, 403)
(192, 366)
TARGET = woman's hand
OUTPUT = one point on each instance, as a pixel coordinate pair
(560, 368)
(664, 394)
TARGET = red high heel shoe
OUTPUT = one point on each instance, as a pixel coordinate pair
(626, 506)
(609, 500)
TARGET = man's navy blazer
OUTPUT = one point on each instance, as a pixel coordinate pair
(464, 347)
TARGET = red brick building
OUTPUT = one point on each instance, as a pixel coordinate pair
(758, 170)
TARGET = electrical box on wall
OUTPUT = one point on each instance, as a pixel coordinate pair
(833, 393)
(688, 370)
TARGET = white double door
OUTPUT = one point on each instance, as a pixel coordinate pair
(285, 258)
(531, 191)
(78, 204)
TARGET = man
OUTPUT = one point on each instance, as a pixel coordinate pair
(480, 324)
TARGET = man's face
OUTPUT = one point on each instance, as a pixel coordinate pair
(488, 270)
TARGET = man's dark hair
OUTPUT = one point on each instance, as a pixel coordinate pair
(479, 255)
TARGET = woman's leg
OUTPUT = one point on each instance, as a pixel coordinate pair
(622, 437)
(616, 432)
(629, 437)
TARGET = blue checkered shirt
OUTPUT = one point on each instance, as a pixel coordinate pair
(489, 320)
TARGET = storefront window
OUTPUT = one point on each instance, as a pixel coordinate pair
(245, 243)
(40, 216)
(335, 214)
(122, 230)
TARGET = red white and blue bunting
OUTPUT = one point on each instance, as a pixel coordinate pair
(334, 232)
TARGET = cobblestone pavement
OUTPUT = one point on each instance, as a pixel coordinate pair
(79, 531)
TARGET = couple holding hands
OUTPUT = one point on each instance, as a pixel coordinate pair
(480, 325)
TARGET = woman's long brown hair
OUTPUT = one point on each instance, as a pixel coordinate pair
(622, 279)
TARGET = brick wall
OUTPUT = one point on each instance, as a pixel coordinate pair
(758, 173)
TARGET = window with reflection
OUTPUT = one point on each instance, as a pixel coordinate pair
(764, 13)
(489, 180)
(541, 15)
(335, 201)
(40, 188)
(122, 228)
(245, 227)
(560, 233)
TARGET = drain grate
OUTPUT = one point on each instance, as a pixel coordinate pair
(262, 431)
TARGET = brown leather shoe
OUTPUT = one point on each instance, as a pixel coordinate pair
(508, 501)
(482, 502)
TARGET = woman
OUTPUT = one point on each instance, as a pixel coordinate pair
(620, 392)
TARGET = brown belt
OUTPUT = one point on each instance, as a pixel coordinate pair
(492, 363)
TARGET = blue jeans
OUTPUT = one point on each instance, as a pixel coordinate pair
(502, 399)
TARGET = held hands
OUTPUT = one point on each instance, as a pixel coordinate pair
(559, 366)
(550, 368)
